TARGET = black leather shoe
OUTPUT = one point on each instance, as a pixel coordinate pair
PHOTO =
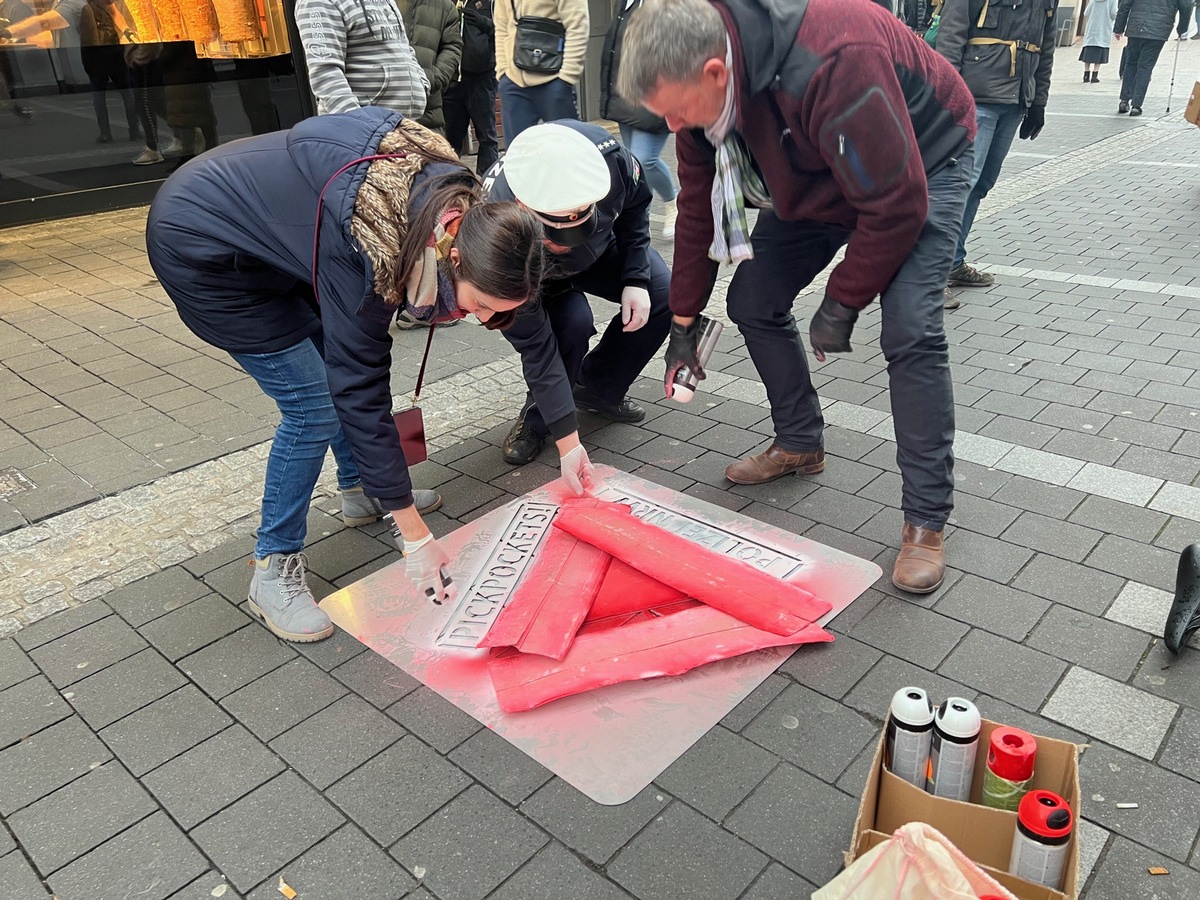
(523, 444)
(1184, 617)
(625, 411)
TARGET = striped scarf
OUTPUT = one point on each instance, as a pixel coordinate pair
(737, 180)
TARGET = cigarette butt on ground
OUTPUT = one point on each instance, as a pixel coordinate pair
(1157, 870)
(286, 889)
(1127, 806)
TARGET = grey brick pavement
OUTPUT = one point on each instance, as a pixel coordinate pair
(155, 742)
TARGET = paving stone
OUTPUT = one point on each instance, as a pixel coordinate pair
(150, 861)
(1136, 561)
(53, 627)
(84, 814)
(346, 864)
(683, 854)
(742, 714)
(1124, 873)
(1092, 841)
(398, 789)
(717, 772)
(922, 637)
(1167, 817)
(1096, 644)
(7, 844)
(777, 883)
(18, 880)
(436, 721)
(811, 731)
(333, 651)
(470, 846)
(809, 843)
(499, 766)
(212, 775)
(1038, 496)
(553, 874)
(587, 827)
(124, 687)
(236, 660)
(1167, 675)
(1003, 669)
(147, 599)
(335, 741)
(15, 666)
(231, 551)
(986, 557)
(46, 761)
(1110, 711)
(992, 607)
(1069, 583)
(196, 625)
(343, 552)
(81, 653)
(982, 515)
(29, 707)
(206, 887)
(831, 668)
(376, 680)
(251, 839)
(283, 698)
(164, 729)
(873, 695)
(1181, 753)
(1053, 536)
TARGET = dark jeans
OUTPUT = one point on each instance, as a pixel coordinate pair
(609, 369)
(522, 108)
(1140, 58)
(150, 99)
(473, 101)
(787, 257)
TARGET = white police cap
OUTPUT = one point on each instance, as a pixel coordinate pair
(555, 170)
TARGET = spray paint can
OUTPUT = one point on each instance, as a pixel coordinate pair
(1039, 853)
(683, 385)
(1011, 754)
(952, 754)
(909, 735)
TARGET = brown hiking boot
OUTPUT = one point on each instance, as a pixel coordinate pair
(921, 565)
(969, 276)
(774, 463)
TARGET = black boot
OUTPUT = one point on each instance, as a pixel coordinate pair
(1095, 76)
(1087, 76)
(1135, 111)
(523, 444)
(625, 411)
(1184, 617)
(1124, 107)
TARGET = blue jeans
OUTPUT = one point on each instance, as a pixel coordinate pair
(998, 124)
(646, 146)
(787, 257)
(522, 108)
(295, 379)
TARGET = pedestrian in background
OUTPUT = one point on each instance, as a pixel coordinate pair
(642, 132)
(541, 48)
(1097, 38)
(436, 37)
(1147, 24)
(471, 98)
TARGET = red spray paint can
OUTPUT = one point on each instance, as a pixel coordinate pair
(1011, 753)
(1039, 853)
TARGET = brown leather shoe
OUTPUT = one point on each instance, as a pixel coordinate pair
(921, 565)
(774, 463)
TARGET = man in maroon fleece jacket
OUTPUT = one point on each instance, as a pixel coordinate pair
(842, 128)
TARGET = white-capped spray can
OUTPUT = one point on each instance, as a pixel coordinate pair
(952, 753)
(1042, 838)
(909, 735)
(683, 386)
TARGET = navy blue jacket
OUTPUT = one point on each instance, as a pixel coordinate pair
(623, 222)
(230, 236)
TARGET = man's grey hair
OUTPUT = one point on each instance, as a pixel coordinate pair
(668, 40)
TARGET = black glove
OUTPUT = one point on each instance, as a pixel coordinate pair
(681, 351)
(829, 331)
(1031, 125)
(5, 34)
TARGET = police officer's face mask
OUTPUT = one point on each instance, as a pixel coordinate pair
(579, 228)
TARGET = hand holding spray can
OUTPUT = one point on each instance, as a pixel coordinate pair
(683, 385)
(909, 735)
(952, 756)
(1039, 852)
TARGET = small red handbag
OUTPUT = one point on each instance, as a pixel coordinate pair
(410, 423)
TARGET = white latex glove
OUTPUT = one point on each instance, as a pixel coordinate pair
(577, 470)
(427, 565)
(635, 307)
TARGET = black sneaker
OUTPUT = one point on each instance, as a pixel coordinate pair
(523, 444)
(1123, 107)
(625, 411)
(1135, 111)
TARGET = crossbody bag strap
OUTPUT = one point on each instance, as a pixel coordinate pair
(424, 360)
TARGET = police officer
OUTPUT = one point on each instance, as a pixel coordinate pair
(589, 193)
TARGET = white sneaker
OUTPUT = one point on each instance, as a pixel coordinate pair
(174, 148)
(672, 213)
(147, 157)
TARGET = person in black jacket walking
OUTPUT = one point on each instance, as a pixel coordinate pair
(302, 303)
(1005, 54)
(471, 100)
(1147, 24)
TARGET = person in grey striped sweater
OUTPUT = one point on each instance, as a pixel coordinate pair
(358, 54)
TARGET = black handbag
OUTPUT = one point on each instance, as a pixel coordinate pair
(539, 43)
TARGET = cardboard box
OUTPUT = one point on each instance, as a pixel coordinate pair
(1192, 113)
(982, 833)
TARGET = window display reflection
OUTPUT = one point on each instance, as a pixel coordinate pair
(96, 94)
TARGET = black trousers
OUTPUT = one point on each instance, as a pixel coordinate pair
(1141, 56)
(620, 356)
(473, 101)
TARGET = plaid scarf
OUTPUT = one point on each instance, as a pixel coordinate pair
(429, 294)
(737, 180)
